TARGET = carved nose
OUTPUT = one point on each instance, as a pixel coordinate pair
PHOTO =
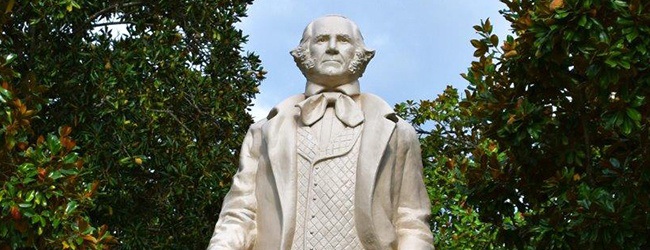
(331, 47)
(332, 51)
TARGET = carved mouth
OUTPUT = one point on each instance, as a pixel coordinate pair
(331, 60)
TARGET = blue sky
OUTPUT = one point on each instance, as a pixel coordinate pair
(422, 45)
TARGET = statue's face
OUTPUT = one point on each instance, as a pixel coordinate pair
(332, 49)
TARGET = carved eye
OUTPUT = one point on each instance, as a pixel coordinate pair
(343, 39)
(322, 39)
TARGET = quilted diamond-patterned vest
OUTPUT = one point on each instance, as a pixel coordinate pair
(326, 184)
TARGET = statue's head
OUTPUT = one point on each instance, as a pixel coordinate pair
(332, 51)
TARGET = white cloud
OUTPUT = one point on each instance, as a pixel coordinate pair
(259, 110)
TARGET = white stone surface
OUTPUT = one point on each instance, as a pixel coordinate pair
(332, 168)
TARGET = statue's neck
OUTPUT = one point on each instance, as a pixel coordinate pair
(350, 89)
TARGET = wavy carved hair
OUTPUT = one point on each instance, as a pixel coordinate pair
(357, 66)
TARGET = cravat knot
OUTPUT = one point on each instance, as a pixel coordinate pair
(347, 111)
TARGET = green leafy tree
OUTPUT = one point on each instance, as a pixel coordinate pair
(563, 108)
(156, 93)
(447, 143)
(43, 201)
(549, 146)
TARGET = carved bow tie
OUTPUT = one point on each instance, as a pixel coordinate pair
(313, 108)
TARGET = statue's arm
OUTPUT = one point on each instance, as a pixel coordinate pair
(236, 227)
(414, 208)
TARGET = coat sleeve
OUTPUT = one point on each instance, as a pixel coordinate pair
(236, 227)
(414, 207)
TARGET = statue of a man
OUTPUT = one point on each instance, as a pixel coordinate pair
(332, 168)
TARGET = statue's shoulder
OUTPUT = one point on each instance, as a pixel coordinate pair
(285, 107)
(373, 104)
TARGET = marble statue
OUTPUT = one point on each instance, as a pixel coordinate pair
(332, 168)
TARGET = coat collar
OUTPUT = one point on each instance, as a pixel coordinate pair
(349, 89)
(280, 133)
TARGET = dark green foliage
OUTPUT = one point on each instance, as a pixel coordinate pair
(565, 104)
(550, 145)
(447, 146)
(43, 202)
(158, 111)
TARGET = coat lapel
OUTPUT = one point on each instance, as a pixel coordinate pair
(280, 134)
(374, 139)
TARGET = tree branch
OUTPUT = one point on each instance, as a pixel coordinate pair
(111, 23)
(192, 103)
(173, 116)
(114, 6)
(422, 131)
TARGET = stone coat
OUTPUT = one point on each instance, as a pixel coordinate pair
(391, 202)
